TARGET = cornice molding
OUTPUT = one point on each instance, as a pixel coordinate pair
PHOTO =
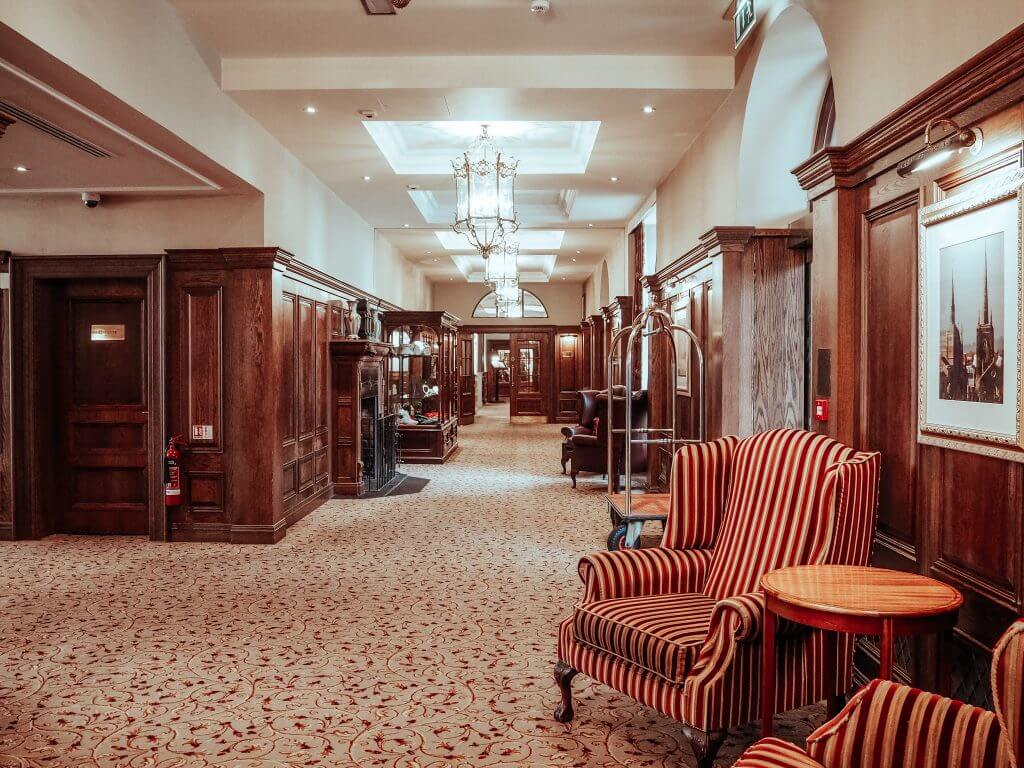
(269, 257)
(359, 349)
(5, 122)
(975, 80)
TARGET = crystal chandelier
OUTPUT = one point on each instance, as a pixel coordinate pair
(485, 209)
(502, 265)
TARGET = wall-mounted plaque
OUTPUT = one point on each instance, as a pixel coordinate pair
(106, 333)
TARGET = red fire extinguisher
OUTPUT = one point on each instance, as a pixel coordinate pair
(172, 471)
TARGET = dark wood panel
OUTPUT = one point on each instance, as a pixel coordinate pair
(204, 355)
(890, 370)
(286, 361)
(305, 378)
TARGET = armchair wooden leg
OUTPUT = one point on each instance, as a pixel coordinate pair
(573, 476)
(563, 676)
(705, 744)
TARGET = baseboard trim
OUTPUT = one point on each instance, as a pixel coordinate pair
(6, 531)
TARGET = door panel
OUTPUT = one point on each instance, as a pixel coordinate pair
(568, 376)
(467, 381)
(103, 417)
(530, 373)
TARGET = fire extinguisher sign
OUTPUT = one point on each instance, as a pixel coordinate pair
(202, 431)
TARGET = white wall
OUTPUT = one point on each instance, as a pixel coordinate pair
(880, 53)
(397, 279)
(564, 302)
(139, 51)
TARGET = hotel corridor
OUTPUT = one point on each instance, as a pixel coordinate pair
(410, 632)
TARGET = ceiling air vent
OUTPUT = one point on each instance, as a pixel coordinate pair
(49, 128)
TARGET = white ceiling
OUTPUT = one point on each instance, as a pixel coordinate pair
(260, 28)
(571, 86)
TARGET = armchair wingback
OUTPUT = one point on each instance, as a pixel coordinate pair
(900, 727)
(677, 627)
(586, 411)
(590, 451)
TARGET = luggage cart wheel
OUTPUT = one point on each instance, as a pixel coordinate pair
(617, 538)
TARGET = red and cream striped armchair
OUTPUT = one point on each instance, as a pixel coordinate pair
(891, 725)
(677, 627)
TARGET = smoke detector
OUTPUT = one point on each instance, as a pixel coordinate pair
(540, 6)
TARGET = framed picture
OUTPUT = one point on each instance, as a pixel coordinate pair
(680, 310)
(970, 278)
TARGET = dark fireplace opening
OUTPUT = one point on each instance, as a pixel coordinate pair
(377, 448)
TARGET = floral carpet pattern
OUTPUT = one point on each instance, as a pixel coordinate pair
(405, 632)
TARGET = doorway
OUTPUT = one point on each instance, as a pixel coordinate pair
(530, 372)
(89, 397)
(498, 376)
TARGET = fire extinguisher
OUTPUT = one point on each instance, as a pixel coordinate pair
(172, 471)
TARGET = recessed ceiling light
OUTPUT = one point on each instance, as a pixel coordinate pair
(310, 109)
(435, 259)
(366, 178)
(406, 226)
(579, 251)
(590, 225)
(574, 260)
(615, 178)
(21, 168)
(649, 110)
(429, 252)
(563, 278)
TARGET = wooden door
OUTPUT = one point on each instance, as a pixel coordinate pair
(467, 381)
(529, 367)
(568, 373)
(100, 473)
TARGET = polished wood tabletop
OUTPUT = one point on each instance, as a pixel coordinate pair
(859, 591)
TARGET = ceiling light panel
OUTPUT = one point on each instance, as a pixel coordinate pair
(542, 147)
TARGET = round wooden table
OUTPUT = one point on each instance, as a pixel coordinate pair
(863, 601)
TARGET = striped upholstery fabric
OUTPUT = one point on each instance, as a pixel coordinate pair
(636, 572)
(658, 633)
(698, 486)
(775, 753)
(893, 726)
(739, 508)
(774, 513)
(1008, 688)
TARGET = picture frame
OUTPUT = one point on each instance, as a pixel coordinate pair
(971, 329)
(679, 308)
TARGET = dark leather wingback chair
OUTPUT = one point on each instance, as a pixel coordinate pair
(586, 409)
(590, 452)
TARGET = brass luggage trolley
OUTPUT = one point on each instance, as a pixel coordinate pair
(629, 511)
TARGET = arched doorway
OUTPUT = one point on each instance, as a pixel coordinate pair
(781, 121)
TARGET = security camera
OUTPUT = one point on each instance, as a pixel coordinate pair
(91, 199)
(540, 6)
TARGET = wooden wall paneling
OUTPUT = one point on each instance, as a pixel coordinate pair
(889, 341)
(568, 373)
(779, 318)
(322, 397)
(585, 339)
(598, 356)
(6, 498)
(951, 514)
(287, 334)
(305, 391)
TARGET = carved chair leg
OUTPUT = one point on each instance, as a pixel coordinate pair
(705, 744)
(563, 676)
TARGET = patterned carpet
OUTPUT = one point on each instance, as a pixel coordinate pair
(410, 632)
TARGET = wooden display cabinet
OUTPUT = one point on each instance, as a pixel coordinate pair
(423, 384)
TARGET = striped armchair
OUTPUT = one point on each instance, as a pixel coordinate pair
(891, 725)
(677, 627)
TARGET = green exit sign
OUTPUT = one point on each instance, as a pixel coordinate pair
(743, 20)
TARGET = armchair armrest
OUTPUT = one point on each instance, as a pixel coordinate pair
(744, 615)
(893, 725)
(584, 440)
(639, 572)
(579, 429)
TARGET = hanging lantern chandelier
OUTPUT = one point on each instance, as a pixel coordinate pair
(485, 208)
(506, 300)
(502, 266)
